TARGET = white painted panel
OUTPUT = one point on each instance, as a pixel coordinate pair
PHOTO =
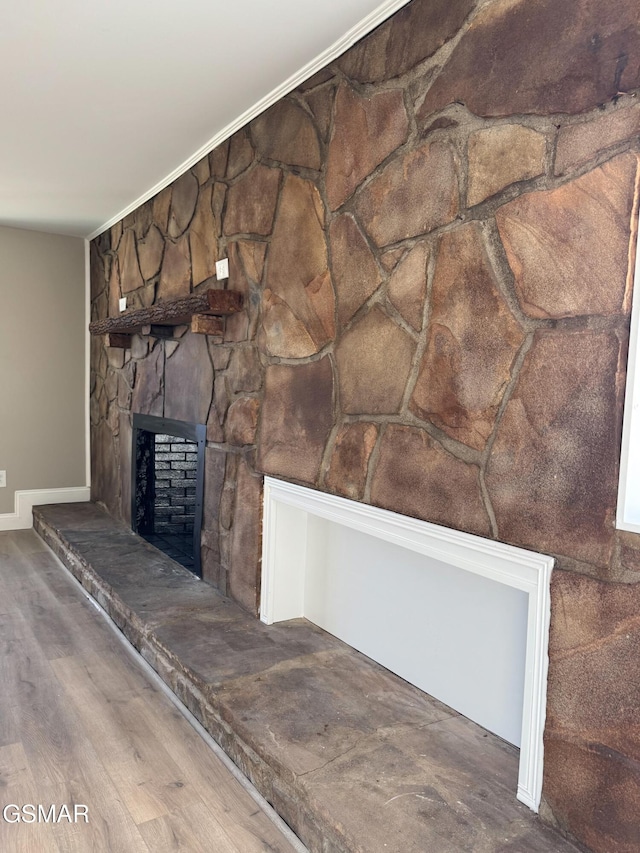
(297, 549)
(458, 636)
(628, 512)
(283, 545)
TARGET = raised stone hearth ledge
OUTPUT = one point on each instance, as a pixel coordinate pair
(351, 756)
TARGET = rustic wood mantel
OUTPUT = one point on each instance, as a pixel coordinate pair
(203, 311)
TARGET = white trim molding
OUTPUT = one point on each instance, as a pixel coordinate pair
(288, 508)
(628, 512)
(22, 518)
(361, 29)
(87, 363)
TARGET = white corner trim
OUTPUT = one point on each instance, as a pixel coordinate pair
(22, 519)
(87, 363)
(628, 511)
(282, 594)
(361, 29)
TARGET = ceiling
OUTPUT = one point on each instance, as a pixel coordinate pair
(103, 103)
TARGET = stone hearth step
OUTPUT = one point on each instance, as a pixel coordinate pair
(351, 756)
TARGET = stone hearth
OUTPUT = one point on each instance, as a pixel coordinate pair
(351, 756)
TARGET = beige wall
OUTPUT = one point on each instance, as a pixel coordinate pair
(42, 362)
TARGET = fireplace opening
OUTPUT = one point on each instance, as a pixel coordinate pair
(167, 486)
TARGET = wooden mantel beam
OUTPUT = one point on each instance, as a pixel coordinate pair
(175, 313)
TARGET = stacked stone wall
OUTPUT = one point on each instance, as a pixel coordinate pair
(434, 239)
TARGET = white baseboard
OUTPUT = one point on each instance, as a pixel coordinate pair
(22, 518)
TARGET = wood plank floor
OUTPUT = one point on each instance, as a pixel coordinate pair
(82, 724)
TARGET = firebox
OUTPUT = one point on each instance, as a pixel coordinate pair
(167, 484)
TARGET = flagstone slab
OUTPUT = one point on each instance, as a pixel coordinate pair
(579, 143)
(242, 421)
(188, 381)
(184, 196)
(374, 359)
(407, 286)
(297, 416)
(321, 104)
(147, 391)
(299, 303)
(246, 539)
(203, 238)
(175, 273)
(415, 193)
(594, 630)
(416, 476)
(286, 133)
(502, 155)
(473, 340)
(551, 475)
(150, 252)
(512, 46)
(355, 272)
(251, 202)
(365, 131)
(412, 35)
(347, 473)
(563, 244)
(130, 276)
(237, 155)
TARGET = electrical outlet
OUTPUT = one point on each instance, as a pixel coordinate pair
(222, 268)
(3, 479)
(122, 303)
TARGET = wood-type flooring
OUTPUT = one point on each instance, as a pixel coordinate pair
(81, 724)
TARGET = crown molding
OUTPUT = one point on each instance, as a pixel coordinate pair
(361, 29)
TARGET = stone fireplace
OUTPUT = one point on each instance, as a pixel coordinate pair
(432, 237)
